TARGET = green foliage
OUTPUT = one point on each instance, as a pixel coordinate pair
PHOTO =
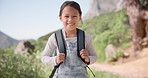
(108, 29)
(19, 66)
(119, 54)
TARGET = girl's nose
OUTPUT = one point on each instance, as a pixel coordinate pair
(71, 19)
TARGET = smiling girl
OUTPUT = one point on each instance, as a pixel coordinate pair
(72, 66)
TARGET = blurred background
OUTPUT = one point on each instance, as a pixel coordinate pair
(118, 28)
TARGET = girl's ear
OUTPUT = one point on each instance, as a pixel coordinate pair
(80, 18)
(81, 21)
(60, 18)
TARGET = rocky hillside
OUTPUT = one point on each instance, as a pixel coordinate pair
(98, 7)
(6, 41)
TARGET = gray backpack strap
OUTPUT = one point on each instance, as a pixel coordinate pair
(81, 45)
(60, 42)
(62, 49)
(80, 42)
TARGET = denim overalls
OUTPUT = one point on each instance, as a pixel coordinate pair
(72, 67)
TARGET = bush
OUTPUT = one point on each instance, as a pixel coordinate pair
(19, 66)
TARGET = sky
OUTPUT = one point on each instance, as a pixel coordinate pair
(31, 19)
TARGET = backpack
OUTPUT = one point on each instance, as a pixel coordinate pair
(62, 48)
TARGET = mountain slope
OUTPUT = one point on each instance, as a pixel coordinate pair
(98, 7)
(6, 41)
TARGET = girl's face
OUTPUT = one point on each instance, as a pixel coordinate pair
(70, 18)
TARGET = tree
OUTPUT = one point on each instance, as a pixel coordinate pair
(137, 12)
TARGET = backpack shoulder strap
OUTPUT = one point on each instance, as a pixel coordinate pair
(60, 41)
(81, 45)
(61, 46)
(80, 42)
(81, 39)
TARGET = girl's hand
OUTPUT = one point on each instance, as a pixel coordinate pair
(84, 55)
(60, 58)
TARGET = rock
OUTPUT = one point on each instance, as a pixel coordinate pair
(110, 51)
(120, 5)
(24, 47)
(98, 7)
(125, 55)
(144, 53)
(144, 42)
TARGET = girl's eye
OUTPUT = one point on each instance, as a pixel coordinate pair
(74, 16)
(66, 16)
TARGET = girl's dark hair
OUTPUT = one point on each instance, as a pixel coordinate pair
(72, 4)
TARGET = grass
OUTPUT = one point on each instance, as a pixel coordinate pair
(103, 74)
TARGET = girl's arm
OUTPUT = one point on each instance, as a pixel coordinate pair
(47, 53)
(90, 48)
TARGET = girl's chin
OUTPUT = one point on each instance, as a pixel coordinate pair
(71, 28)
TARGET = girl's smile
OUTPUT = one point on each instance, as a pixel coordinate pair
(70, 18)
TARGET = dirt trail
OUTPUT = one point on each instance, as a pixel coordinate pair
(134, 69)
